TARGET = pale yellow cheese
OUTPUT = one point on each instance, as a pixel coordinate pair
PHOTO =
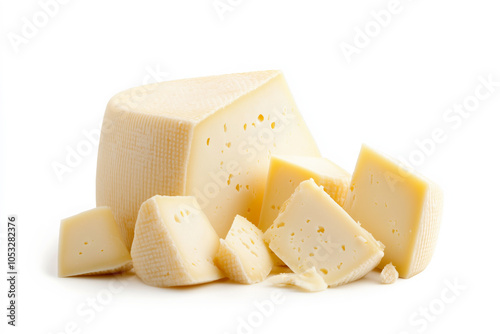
(389, 274)
(174, 243)
(209, 137)
(287, 172)
(399, 207)
(312, 230)
(310, 280)
(243, 256)
(90, 244)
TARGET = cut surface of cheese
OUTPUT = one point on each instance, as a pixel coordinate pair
(309, 280)
(400, 208)
(174, 243)
(90, 243)
(209, 137)
(389, 274)
(312, 230)
(287, 172)
(243, 256)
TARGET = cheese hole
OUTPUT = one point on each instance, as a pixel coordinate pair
(253, 242)
(253, 124)
(225, 127)
(280, 225)
(343, 248)
(237, 187)
(340, 265)
(176, 218)
(228, 144)
(324, 271)
(247, 186)
(102, 250)
(292, 234)
(245, 127)
(85, 243)
(321, 229)
(254, 253)
(308, 221)
(273, 124)
(311, 254)
(261, 118)
(80, 253)
(208, 141)
(246, 245)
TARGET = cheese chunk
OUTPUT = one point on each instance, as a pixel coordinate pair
(389, 274)
(309, 280)
(400, 208)
(209, 137)
(90, 244)
(312, 230)
(244, 256)
(287, 172)
(174, 243)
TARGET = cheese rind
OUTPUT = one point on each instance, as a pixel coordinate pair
(399, 207)
(174, 243)
(287, 172)
(309, 280)
(389, 274)
(312, 230)
(210, 137)
(243, 256)
(90, 244)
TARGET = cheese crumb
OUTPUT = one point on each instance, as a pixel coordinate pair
(389, 274)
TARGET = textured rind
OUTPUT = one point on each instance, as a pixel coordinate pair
(126, 267)
(229, 262)
(230, 257)
(428, 231)
(155, 257)
(336, 188)
(140, 156)
(389, 274)
(309, 280)
(363, 269)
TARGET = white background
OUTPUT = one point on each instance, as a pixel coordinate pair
(394, 92)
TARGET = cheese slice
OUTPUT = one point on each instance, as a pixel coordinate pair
(209, 137)
(243, 256)
(309, 280)
(174, 243)
(400, 208)
(389, 274)
(312, 230)
(90, 244)
(287, 172)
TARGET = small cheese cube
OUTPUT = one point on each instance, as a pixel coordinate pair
(90, 244)
(312, 230)
(309, 280)
(389, 274)
(287, 172)
(401, 208)
(243, 256)
(174, 243)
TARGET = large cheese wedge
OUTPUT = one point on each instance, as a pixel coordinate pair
(174, 243)
(400, 208)
(209, 137)
(90, 244)
(312, 230)
(287, 172)
(243, 256)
